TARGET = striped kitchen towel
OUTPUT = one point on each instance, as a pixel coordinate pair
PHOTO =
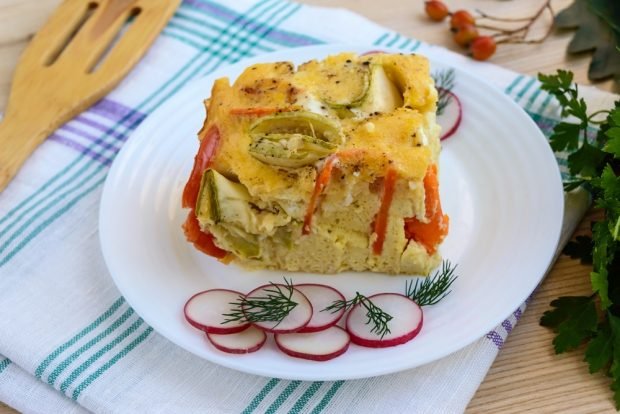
(70, 343)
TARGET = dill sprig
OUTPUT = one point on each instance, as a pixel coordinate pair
(432, 289)
(444, 82)
(274, 306)
(375, 314)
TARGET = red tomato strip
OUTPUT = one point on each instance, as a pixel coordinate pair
(201, 240)
(202, 160)
(381, 220)
(432, 233)
(321, 182)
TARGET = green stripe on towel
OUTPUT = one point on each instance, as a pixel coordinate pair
(271, 384)
(306, 396)
(102, 318)
(75, 355)
(328, 397)
(281, 399)
(101, 352)
(92, 377)
(4, 363)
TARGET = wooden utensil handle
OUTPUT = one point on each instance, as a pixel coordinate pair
(18, 139)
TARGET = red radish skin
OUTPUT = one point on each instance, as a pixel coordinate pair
(205, 311)
(315, 346)
(372, 52)
(445, 119)
(406, 323)
(298, 317)
(245, 342)
(321, 296)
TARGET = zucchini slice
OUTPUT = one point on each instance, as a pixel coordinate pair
(289, 150)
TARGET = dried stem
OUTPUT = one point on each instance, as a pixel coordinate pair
(517, 34)
(522, 38)
(484, 15)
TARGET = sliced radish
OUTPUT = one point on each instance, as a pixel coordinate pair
(297, 318)
(320, 296)
(372, 52)
(244, 342)
(450, 119)
(205, 311)
(405, 325)
(315, 346)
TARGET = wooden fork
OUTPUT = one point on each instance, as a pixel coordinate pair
(81, 53)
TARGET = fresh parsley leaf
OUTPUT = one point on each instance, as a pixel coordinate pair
(561, 81)
(577, 108)
(586, 161)
(563, 308)
(614, 323)
(614, 116)
(565, 137)
(609, 184)
(580, 249)
(608, 190)
(599, 352)
(561, 86)
(574, 319)
(593, 164)
(613, 145)
(601, 256)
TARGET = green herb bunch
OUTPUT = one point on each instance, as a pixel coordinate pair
(375, 314)
(594, 164)
(444, 82)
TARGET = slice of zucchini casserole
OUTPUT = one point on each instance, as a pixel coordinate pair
(327, 168)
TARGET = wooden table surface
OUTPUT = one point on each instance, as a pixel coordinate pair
(526, 376)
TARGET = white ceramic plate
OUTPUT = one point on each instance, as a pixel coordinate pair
(500, 185)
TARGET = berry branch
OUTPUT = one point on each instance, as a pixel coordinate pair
(465, 28)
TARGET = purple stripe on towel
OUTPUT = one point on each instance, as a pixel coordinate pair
(90, 137)
(496, 338)
(117, 112)
(100, 127)
(507, 326)
(518, 313)
(89, 152)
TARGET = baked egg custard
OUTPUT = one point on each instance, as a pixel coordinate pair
(328, 167)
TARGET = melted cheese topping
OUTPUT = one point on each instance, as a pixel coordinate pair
(399, 138)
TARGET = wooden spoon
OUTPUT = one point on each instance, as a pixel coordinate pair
(81, 53)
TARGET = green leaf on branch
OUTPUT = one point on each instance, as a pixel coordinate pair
(595, 164)
(565, 137)
(613, 145)
(598, 29)
(614, 323)
(586, 160)
(599, 352)
(574, 319)
(612, 132)
(601, 257)
(580, 249)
